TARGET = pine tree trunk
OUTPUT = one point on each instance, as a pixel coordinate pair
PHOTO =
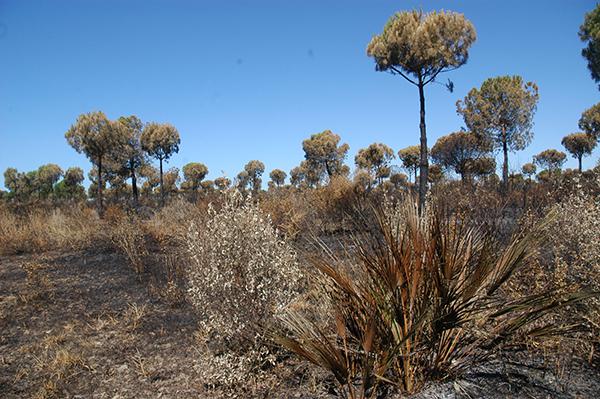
(162, 188)
(579, 158)
(134, 188)
(99, 199)
(423, 163)
(328, 169)
(505, 163)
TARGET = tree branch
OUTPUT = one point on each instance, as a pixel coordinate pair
(399, 72)
(432, 78)
(449, 69)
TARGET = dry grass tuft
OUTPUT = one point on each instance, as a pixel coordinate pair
(39, 288)
(169, 225)
(127, 234)
(38, 231)
(134, 315)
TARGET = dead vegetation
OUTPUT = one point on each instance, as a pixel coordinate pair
(419, 300)
(393, 302)
(40, 230)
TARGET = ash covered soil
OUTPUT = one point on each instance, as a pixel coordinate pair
(84, 325)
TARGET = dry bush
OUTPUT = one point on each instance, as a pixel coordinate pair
(576, 247)
(419, 298)
(331, 205)
(169, 225)
(241, 274)
(481, 204)
(302, 213)
(286, 206)
(134, 315)
(40, 230)
(171, 283)
(127, 234)
(571, 262)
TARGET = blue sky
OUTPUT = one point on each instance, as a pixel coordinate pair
(246, 80)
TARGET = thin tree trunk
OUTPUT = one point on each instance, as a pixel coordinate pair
(505, 163)
(99, 199)
(328, 169)
(134, 188)
(423, 163)
(579, 158)
(162, 188)
(195, 188)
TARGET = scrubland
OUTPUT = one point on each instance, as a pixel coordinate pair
(335, 291)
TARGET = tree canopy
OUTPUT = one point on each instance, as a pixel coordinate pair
(528, 169)
(590, 32)
(376, 159)
(94, 135)
(501, 111)
(222, 183)
(410, 158)
(160, 141)
(419, 46)
(324, 152)
(579, 145)
(590, 121)
(551, 160)
(194, 173)
(459, 152)
(278, 177)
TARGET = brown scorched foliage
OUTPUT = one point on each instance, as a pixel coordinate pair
(418, 298)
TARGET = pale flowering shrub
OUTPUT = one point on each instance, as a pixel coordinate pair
(241, 275)
(575, 238)
(572, 263)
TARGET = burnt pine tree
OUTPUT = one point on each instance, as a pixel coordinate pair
(579, 145)
(419, 46)
(96, 136)
(194, 173)
(589, 32)
(410, 157)
(460, 151)
(550, 160)
(255, 169)
(590, 121)
(501, 111)
(132, 154)
(278, 177)
(324, 154)
(160, 141)
(376, 159)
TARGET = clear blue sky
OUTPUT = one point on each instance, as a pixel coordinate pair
(246, 80)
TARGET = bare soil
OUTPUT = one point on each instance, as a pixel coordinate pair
(84, 325)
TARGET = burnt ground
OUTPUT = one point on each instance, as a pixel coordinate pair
(83, 325)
